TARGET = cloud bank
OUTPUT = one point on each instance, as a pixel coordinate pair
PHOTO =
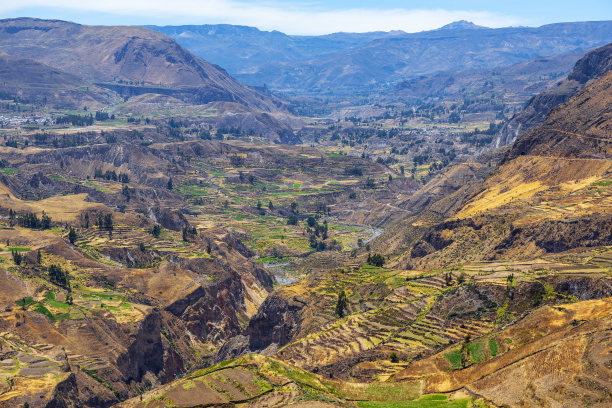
(289, 19)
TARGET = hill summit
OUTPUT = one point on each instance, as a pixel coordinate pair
(462, 25)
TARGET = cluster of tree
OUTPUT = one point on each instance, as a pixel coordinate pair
(173, 123)
(376, 260)
(70, 140)
(387, 161)
(75, 120)
(17, 257)
(420, 159)
(104, 222)
(189, 233)
(322, 208)
(316, 231)
(111, 175)
(236, 161)
(101, 116)
(354, 171)
(30, 220)
(58, 276)
(132, 119)
(250, 177)
(292, 219)
(233, 131)
(318, 236)
(156, 230)
(12, 142)
(342, 304)
(204, 134)
(127, 192)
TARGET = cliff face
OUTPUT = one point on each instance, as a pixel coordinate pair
(590, 67)
(276, 323)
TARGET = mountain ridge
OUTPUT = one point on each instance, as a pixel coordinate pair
(359, 65)
(128, 55)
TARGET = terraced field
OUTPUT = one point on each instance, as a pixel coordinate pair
(395, 316)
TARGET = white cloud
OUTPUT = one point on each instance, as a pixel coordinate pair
(292, 20)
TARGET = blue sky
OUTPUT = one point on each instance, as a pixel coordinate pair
(313, 16)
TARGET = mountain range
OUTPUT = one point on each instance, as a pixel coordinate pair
(345, 62)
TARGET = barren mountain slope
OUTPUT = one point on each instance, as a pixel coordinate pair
(135, 60)
(31, 81)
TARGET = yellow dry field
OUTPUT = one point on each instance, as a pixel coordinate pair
(541, 356)
(32, 385)
(520, 180)
(60, 208)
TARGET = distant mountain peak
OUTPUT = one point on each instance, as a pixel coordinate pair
(461, 25)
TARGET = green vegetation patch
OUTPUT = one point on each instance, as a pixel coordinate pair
(8, 172)
(41, 309)
(476, 352)
(454, 358)
(194, 190)
(25, 301)
(493, 349)
(392, 393)
(428, 401)
(58, 305)
(19, 249)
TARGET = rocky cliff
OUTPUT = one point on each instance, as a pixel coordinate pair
(590, 67)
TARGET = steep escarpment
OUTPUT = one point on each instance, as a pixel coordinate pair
(592, 66)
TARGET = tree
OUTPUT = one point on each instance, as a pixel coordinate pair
(170, 186)
(156, 230)
(126, 192)
(448, 278)
(17, 258)
(45, 221)
(465, 352)
(108, 222)
(72, 235)
(292, 220)
(58, 276)
(311, 221)
(376, 260)
(270, 205)
(189, 233)
(461, 278)
(341, 304)
(393, 357)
